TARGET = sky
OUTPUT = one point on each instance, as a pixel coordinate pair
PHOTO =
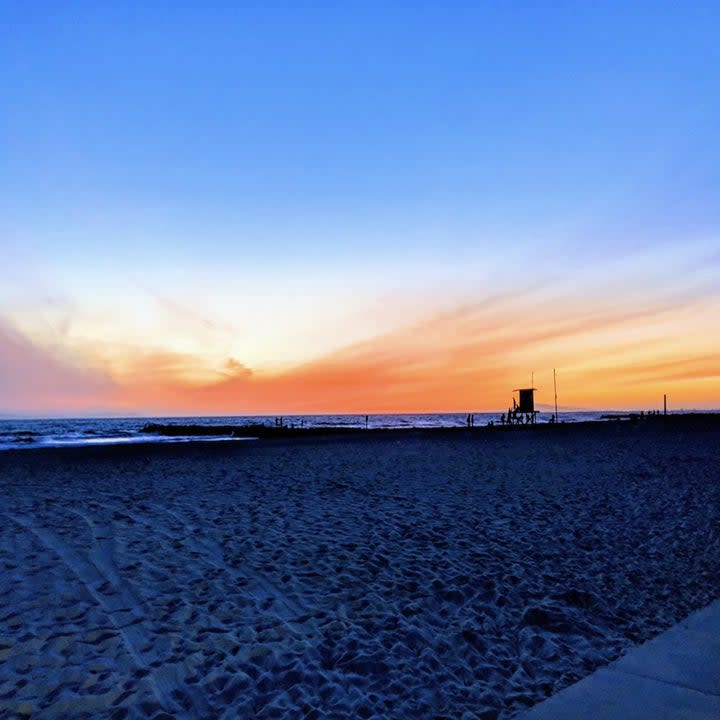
(241, 208)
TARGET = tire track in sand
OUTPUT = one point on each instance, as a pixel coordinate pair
(99, 576)
(264, 589)
(102, 554)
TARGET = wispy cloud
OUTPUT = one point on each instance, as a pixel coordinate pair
(467, 357)
(185, 313)
(464, 357)
(38, 379)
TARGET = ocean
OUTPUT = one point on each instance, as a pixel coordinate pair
(37, 433)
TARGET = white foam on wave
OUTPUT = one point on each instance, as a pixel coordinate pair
(51, 442)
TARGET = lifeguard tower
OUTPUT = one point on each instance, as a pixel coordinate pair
(523, 409)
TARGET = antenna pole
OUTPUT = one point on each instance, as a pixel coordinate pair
(555, 387)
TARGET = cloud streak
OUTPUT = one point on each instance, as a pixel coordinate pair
(34, 379)
(468, 357)
(183, 312)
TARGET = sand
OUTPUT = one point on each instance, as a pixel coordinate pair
(393, 576)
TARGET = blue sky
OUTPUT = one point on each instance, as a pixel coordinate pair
(298, 156)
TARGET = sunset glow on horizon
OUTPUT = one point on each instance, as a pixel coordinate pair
(255, 211)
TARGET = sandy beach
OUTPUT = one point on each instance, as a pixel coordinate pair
(464, 575)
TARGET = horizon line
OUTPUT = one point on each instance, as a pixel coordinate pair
(550, 411)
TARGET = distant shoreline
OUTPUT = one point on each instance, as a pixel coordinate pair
(269, 431)
(215, 442)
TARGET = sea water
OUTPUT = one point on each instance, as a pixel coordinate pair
(35, 433)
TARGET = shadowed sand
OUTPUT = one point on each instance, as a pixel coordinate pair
(393, 575)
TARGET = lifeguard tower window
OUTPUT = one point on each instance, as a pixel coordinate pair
(526, 402)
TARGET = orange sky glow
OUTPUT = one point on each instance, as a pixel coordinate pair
(469, 357)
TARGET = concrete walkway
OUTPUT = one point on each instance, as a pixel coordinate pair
(675, 675)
